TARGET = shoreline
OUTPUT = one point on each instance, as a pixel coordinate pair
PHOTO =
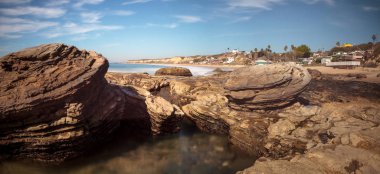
(194, 65)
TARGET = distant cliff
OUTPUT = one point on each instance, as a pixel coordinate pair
(224, 58)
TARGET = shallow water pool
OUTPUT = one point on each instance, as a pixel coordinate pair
(189, 151)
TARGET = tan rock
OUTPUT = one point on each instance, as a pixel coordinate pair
(280, 128)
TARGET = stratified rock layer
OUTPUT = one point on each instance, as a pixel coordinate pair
(161, 116)
(264, 87)
(54, 101)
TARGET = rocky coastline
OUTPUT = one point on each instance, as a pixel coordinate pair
(56, 101)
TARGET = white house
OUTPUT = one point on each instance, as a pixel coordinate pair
(229, 60)
(262, 62)
(235, 51)
(326, 60)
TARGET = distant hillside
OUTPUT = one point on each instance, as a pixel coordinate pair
(230, 58)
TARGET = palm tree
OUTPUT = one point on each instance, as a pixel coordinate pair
(255, 49)
(374, 37)
(269, 48)
(292, 47)
(337, 44)
(286, 49)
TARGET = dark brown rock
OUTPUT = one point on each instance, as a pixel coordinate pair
(55, 102)
(173, 71)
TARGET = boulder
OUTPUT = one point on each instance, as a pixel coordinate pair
(55, 102)
(264, 87)
(174, 71)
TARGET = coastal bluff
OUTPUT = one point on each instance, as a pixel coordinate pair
(58, 102)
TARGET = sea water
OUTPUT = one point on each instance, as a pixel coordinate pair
(151, 69)
(187, 152)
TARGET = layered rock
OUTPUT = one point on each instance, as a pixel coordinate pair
(55, 101)
(239, 104)
(337, 136)
(174, 71)
(146, 110)
(144, 81)
(263, 87)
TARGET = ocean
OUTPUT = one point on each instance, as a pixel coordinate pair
(151, 69)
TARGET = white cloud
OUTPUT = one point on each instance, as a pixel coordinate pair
(257, 4)
(370, 8)
(241, 19)
(136, 2)
(91, 17)
(43, 12)
(16, 27)
(328, 2)
(171, 26)
(75, 29)
(189, 19)
(80, 3)
(124, 12)
(149, 25)
(57, 2)
(14, 1)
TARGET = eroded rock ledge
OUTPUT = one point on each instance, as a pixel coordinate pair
(56, 104)
(293, 127)
(55, 101)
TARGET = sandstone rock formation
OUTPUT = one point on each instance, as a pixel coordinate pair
(144, 81)
(54, 101)
(335, 134)
(174, 71)
(263, 87)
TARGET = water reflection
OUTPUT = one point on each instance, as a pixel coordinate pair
(190, 151)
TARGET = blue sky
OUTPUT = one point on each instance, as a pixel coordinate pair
(133, 29)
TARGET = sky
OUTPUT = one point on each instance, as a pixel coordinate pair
(135, 29)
